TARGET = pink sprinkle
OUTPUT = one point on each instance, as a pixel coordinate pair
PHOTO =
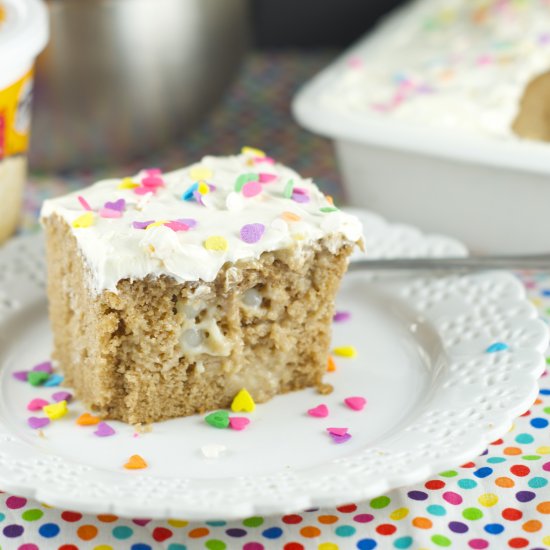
(355, 403)
(37, 404)
(355, 62)
(84, 203)
(251, 233)
(198, 197)
(177, 226)
(142, 225)
(62, 396)
(340, 438)
(22, 375)
(119, 205)
(252, 188)
(337, 431)
(300, 190)
(44, 367)
(36, 423)
(238, 422)
(142, 190)
(341, 316)
(263, 177)
(153, 171)
(268, 160)
(484, 60)
(152, 181)
(380, 107)
(320, 411)
(108, 213)
(135, 434)
(104, 430)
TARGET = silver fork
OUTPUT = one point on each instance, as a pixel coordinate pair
(538, 262)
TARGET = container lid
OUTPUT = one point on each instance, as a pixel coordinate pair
(23, 30)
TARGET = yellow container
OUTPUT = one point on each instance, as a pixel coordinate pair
(23, 34)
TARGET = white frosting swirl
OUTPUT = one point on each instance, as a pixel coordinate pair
(114, 249)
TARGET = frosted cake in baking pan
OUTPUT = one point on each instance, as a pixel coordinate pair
(171, 292)
(478, 66)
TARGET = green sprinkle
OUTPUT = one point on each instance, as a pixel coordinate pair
(328, 209)
(37, 378)
(218, 419)
(254, 521)
(242, 179)
(380, 502)
(440, 540)
(289, 188)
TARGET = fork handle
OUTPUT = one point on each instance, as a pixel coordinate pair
(540, 262)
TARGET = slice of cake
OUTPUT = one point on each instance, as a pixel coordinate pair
(169, 293)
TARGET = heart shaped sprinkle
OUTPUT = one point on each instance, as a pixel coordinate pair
(87, 419)
(243, 402)
(143, 190)
(104, 430)
(337, 431)
(252, 188)
(127, 183)
(21, 375)
(218, 419)
(135, 462)
(355, 403)
(142, 225)
(43, 367)
(84, 221)
(252, 232)
(238, 423)
(119, 205)
(320, 411)
(213, 450)
(152, 181)
(300, 198)
(153, 171)
(331, 365)
(55, 411)
(53, 380)
(110, 214)
(37, 404)
(189, 222)
(37, 377)
(340, 438)
(266, 178)
(62, 396)
(36, 423)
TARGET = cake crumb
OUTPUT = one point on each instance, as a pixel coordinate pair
(325, 389)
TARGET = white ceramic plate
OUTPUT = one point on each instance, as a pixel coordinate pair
(435, 399)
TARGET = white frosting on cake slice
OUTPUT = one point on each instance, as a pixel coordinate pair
(188, 223)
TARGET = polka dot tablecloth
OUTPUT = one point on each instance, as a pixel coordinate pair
(500, 500)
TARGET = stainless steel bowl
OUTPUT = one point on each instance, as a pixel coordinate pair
(124, 77)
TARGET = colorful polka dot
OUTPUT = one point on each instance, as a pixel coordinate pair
(49, 530)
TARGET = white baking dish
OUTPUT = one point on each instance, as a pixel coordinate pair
(493, 193)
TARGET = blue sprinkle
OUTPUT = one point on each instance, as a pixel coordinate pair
(53, 381)
(497, 346)
(545, 291)
(189, 193)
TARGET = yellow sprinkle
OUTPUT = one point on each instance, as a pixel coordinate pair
(290, 217)
(218, 244)
(200, 173)
(85, 220)
(252, 151)
(178, 523)
(127, 183)
(298, 237)
(400, 513)
(156, 224)
(243, 402)
(345, 351)
(55, 411)
(203, 188)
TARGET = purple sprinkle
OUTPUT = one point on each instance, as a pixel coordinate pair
(62, 396)
(36, 423)
(340, 438)
(118, 205)
(198, 197)
(341, 316)
(544, 38)
(44, 367)
(298, 197)
(104, 430)
(211, 186)
(189, 222)
(142, 225)
(252, 232)
(22, 375)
